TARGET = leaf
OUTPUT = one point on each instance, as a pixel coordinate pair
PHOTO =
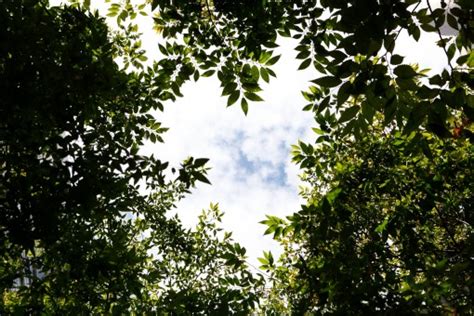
(264, 56)
(416, 118)
(407, 84)
(368, 111)
(305, 64)
(264, 74)
(327, 81)
(349, 114)
(332, 195)
(234, 96)
(255, 73)
(452, 21)
(199, 162)
(200, 177)
(343, 93)
(318, 131)
(163, 50)
(229, 88)
(244, 105)
(451, 51)
(271, 72)
(273, 60)
(414, 31)
(307, 149)
(381, 227)
(263, 260)
(396, 59)
(252, 96)
(427, 27)
(405, 71)
(308, 107)
(208, 73)
(303, 54)
(270, 230)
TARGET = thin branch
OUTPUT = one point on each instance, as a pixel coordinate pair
(400, 30)
(440, 37)
(212, 19)
(259, 270)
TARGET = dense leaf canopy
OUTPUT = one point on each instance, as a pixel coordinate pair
(387, 226)
(387, 222)
(78, 233)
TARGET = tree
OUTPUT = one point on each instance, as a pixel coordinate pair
(351, 44)
(387, 224)
(78, 233)
(386, 228)
(381, 171)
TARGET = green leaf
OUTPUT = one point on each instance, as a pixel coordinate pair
(332, 196)
(273, 60)
(349, 114)
(244, 105)
(200, 177)
(396, 59)
(380, 228)
(405, 71)
(368, 111)
(451, 51)
(327, 81)
(208, 73)
(305, 64)
(163, 50)
(416, 117)
(264, 74)
(414, 31)
(318, 131)
(255, 73)
(252, 96)
(452, 21)
(343, 93)
(407, 84)
(303, 54)
(229, 88)
(199, 162)
(263, 260)
(234, 96)
(427, 27)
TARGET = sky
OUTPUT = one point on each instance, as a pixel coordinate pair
(252, 174)
(251, 170)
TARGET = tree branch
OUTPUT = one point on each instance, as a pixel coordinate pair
(440, 37)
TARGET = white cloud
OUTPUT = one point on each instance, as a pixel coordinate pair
(248, 154)
(251, 172)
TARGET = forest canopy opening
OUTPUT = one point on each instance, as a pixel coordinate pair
(387, 221)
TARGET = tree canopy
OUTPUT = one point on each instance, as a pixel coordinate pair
(386, 228)
(387, 222)
(78, 233)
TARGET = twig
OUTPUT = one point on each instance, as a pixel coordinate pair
(440, 37)
(400, 30)
(259, 270)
